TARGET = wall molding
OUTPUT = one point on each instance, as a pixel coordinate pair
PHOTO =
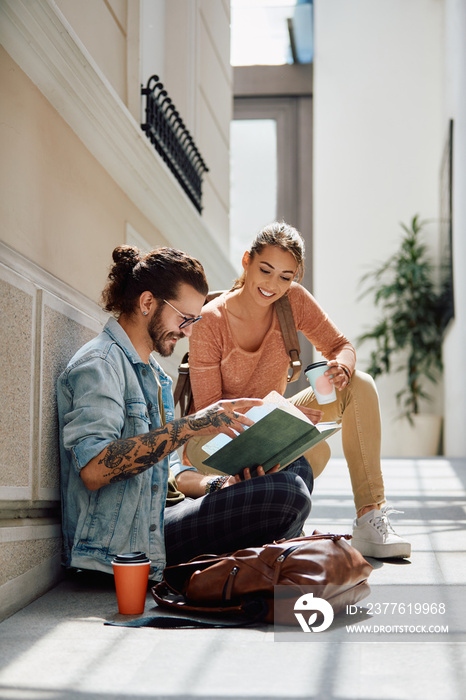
(44, 280)
(22, 590)
(44, 290)
(43, 44)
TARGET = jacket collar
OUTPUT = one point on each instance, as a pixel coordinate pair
(119, 336)
(116, 333)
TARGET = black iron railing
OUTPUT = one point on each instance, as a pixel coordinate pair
(165, 128)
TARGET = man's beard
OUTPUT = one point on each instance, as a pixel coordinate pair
(160, 337)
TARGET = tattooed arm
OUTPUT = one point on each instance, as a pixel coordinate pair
(122, 459)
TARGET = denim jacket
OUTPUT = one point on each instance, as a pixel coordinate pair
(106, 393)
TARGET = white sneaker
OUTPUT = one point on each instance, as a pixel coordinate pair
(374, 536)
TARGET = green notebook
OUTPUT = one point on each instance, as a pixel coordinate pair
(277, 438)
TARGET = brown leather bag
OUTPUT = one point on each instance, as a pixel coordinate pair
(242, 584)
(183, 394)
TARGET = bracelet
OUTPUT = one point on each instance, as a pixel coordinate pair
(346, 371)
(215, 484)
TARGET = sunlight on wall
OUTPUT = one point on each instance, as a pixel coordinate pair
(259, 32)
(253, 181)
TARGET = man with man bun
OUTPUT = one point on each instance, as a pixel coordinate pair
(119, 435)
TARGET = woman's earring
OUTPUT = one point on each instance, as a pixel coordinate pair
(144, 313)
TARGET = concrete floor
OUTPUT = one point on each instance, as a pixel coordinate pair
(58, 647)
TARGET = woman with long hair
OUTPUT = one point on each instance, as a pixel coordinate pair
(238, 350)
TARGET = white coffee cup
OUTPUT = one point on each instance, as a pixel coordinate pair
(324, 390)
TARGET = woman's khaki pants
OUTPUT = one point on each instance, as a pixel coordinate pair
(357, 409)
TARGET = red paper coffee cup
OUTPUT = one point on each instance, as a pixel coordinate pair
(131, 572)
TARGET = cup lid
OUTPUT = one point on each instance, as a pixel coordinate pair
(316, 364)
(131, 558)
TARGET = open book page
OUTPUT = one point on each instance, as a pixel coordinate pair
(279, 401)
(329, 425)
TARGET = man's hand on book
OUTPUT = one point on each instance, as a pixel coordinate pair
(247, 475)
(222, 417)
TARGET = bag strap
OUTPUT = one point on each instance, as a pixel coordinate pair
(250, 610)
(172, 622)
(290, 336)
(183, 393)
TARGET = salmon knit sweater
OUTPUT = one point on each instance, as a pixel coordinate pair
(220, 369)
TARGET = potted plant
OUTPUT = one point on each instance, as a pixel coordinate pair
(408, 335)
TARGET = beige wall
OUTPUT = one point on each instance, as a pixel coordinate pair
(59, 206)
(200, 80)
(94, 19)
(196, 74)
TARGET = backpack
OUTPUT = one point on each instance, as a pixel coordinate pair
(242, 585)
(183, 393)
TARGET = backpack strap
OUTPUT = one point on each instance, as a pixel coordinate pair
(183, 393)
(250, 610)
(290, 336)
(173, 622)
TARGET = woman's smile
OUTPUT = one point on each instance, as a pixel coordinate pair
(265, 293)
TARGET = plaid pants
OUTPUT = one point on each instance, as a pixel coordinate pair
(250, 513)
